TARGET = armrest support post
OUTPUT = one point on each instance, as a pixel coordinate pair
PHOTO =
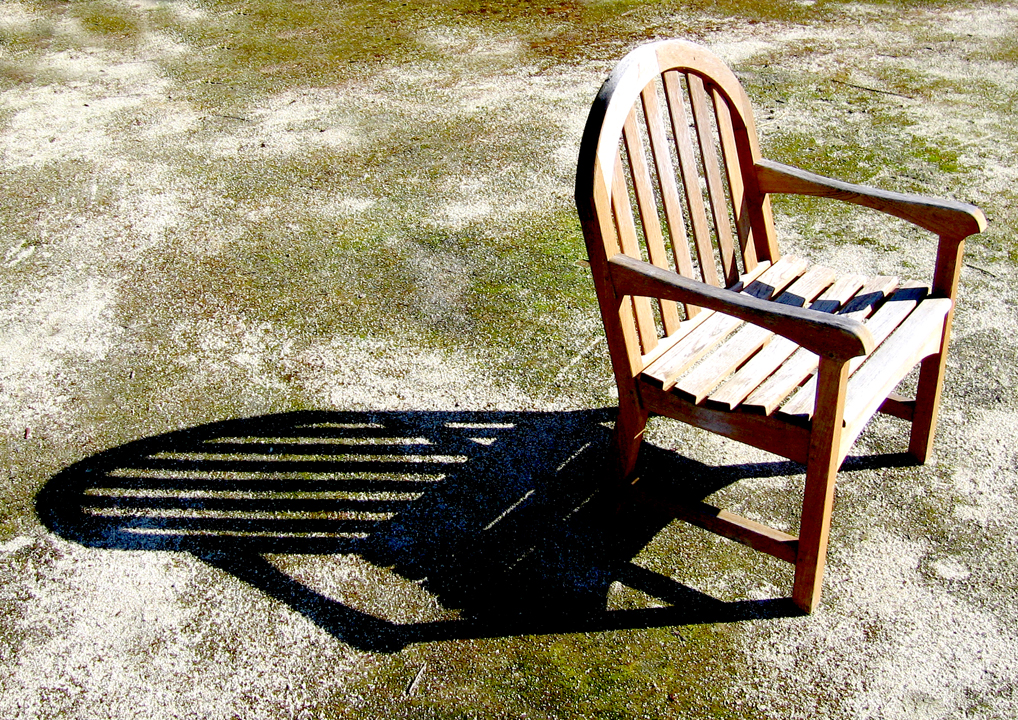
(948, 268)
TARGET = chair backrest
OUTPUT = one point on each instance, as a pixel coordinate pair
(666, 174)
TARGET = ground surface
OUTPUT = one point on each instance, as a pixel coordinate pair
(253, 248)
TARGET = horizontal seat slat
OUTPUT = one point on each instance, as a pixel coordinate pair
(733, 352)
(748, 339)
(890, 315)
(802, 363)
(777, 277)
(667, 368)
(691, 348)
(770, 358)
(685, 327)
(695, 319)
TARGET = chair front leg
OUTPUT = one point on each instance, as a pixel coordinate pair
(821, 470)
(927, 405)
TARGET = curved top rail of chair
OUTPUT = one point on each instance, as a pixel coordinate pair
(618, 93)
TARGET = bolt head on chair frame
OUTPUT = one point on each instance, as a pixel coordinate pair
(733, 337)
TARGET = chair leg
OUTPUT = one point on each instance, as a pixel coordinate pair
(927, 406)
(821, 470)
(628, 437)
(814, 533)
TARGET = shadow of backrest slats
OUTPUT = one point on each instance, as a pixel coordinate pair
(304, 482)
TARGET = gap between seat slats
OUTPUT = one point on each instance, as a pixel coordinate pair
(762, 365)
(889, 317)
(667, 368)
(767, 368)
(687, 326)
(801, 364)
(748, 339)
(903, 329)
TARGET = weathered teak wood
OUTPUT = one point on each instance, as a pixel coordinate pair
(891, 314)
(692, 347)
(889, 363)
(629, 244)
(818, 495)
(712, 173)
(734, 527)
(803, 363)
(740, 203)
(673, 196)
(761, 367)
(643, 186)
(690, 178)
(696, 384)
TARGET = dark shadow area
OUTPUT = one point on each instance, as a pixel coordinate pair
(497, 514)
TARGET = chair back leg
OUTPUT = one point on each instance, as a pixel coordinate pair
(931, 371)
(627, 438)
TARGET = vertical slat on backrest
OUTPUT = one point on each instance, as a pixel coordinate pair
(757, 205)
(733, 168)
(669, 191)
(712, 172)
(630, 245)
(690, 178)
(647, 202)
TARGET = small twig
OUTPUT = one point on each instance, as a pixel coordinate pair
(873, 90)
(417, 679)
(230, 117)
(982, 270)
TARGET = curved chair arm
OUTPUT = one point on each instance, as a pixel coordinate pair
(947, 218)
(828, 335)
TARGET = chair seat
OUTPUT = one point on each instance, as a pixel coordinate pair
(722, 363)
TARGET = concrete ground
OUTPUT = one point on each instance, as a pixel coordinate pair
(305, 397)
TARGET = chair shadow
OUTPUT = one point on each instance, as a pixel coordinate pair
(500, 515)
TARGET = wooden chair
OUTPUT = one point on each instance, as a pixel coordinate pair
(734, 337)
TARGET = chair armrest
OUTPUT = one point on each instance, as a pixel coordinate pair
(832, 336)
(947, 218)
